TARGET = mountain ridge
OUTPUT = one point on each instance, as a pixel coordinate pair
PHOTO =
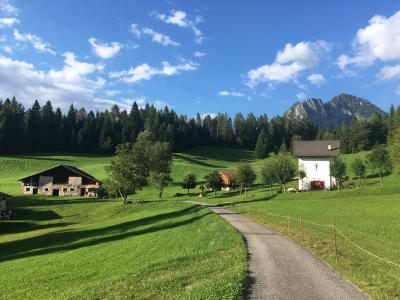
(342, 108)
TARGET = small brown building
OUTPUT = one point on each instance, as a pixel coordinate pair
(227, 176)
(62, 180)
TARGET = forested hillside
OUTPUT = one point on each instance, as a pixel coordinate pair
(44, 128)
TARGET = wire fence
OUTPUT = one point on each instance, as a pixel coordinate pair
(288, 221)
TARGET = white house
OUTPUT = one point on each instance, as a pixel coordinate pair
(314, 159)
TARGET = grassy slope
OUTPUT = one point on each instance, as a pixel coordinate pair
(72, 248)
(369, 216)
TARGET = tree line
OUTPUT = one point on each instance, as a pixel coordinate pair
(44, 129)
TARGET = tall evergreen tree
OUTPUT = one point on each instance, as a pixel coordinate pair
(261, 149)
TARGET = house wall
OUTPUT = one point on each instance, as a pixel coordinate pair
(75, 180)
(68, 189)
(316, 169)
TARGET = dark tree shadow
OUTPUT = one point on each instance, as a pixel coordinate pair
(225, 154)
(196, 161)
(70, 239)
(35, 215)
(12, 227)
(23, 201)
(244, 201)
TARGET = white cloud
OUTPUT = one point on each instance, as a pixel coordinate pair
(8, 22)
(135, 29)
(199, 54)
(140, 101)
(104, 50)
(8, 49)
(111, 93)
(36, 41)
(289, 63)
(301, 96)
(156, 37)
(159, 38)
(7, 8)
(317, 79)
(389, 72)
(180, 18)
(303, 53)
(380, 40)
(146, 72)
(177, 17)
(230, 94)
(70, 84)
(212, 115)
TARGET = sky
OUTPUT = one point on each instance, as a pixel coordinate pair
(199, 56)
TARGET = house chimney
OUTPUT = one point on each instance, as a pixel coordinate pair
(329, 147)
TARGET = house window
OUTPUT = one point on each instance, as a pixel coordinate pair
(316, 167)
(46, 189)
(64, 189)
(28, 189)
(72, 189)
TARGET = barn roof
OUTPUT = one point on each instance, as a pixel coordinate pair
(71, 168)
(316, 148)
(227, 173)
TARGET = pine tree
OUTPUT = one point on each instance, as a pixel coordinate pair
(261, 149)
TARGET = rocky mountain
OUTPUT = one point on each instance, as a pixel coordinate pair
(340, 109)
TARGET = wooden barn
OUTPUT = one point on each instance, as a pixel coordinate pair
(62, 180)
(227, 176)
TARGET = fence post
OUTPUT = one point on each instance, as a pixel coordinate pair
(334, 240)
(259, 213)
(288, 224)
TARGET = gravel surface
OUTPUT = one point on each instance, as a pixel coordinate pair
(281, 269)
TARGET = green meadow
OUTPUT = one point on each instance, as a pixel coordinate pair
(167, 248)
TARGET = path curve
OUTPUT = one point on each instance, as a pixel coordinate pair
(281, 269)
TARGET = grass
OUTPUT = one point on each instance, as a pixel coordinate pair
(98, 249)
(368, 215)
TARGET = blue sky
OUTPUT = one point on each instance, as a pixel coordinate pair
(199, 56)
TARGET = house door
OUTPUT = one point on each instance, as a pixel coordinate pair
(82, 192)
(56, 192)
(34, 191)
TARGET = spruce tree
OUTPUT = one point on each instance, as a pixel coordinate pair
(261, 149)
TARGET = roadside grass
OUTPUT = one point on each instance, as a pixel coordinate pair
(98, 249)
(368, 216)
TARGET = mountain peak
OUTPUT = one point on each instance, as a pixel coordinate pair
(342, 108)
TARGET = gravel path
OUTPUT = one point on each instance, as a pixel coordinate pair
(280, 269)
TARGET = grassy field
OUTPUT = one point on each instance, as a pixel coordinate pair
(97, 249)
(369, 216)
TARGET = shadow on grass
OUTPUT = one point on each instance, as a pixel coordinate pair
(65, 240)
(196, 161)
(222, 153)
(260, 199)
(23, 201)
(35, 215)
(13, 227)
